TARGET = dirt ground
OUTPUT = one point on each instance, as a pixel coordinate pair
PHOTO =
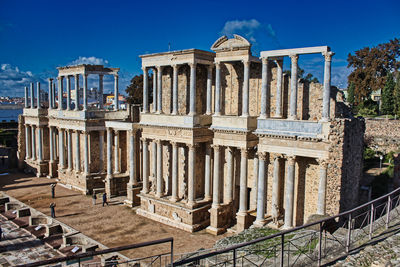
(113, 225)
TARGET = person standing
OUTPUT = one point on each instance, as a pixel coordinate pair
(105, 199)
(52, 209)
(53, 190)
(94, 197)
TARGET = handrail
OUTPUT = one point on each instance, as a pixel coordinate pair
(99, 252)
(244, 244)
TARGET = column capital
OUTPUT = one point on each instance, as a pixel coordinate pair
(264, 60)
(291, 159)
(279, 62)
(192, 64)
(115, 76)
(116, 131)
(76, 75)
(175, 67)
(192, 146)
(246, 62)
(328, 55)
(217, 65)
(101, 76)
(49, 79)
(159, 68)
(86, 132)
(264, 156)
(323, 163)
(60, 78)
(244, 151)
(278, 156)
(216, 147)
(144, 139)
(210, 67)
(294, 58)
(174, 143)
(77, 131)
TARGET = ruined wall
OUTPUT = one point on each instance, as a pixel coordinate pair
(383, 133)
(21, 142)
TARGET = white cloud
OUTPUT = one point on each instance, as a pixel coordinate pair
(339, 76)
(246, 27)
(89, 60)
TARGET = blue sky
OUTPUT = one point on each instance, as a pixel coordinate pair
(37, 36)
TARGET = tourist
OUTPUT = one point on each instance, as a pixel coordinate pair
(53, 212)
(1, 233)
(94, 197)
(105, 199)
(53, 190)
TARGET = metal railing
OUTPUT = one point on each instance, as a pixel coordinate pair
(314, 243)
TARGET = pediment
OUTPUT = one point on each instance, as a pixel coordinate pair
(236, 43)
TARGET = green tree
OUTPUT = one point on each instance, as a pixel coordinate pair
(388, 96)
(300, 75)
(350, 94)
(135, 90)
(397, 95)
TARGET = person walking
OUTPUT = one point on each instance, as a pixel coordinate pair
(53, 190)
(105, 199)
(94, 197)
(52, 209)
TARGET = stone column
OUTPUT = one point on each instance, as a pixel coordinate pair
(289, 192)
(159, 189)
(54, 95)
(76, 91)
(209, 87)
(85, 101)
(69, 149)
(101, 152)
(51, 135)
(145, 167)
(159, 89)
(245, 95)
(174, 195)
(192, 110)
(109, 153)
(101, 89)
(116, 100)
(116, 152)
(327, 86)
(264, 88)
(321, 205)
(243, 182)
(175, 70)
(275, 189)
(33, 142)
(86, 153)
(27, 142)
(132, 152)
(68, 93)
(293, 88)
(61, 160)
(229, 189)
(217, 111)
(38, 95)
(77, 152)
(50, 93)
(40, 147)
(263, 161)
(32, 95)
(60, 92)
(145, 91)
(278, 105)
(192, 175)
(155, 94)
(26, 97)
(254, 186)
(216, 179)
(207, 179)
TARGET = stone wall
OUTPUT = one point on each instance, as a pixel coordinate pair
(383, 133)
(21, 142)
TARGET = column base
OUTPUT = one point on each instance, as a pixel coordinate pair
(260, 223)
(243, 221)
(53, 169)
(215, 231)
(132, 191)
(220, 219)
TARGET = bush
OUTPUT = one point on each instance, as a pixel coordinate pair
(369, 153)
(389, 157)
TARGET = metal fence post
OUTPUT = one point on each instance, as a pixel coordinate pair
(282, 248)
(388, 207)
(320, 244)
(234, 257)
(371, 221)
(348, 242)
(172, 253)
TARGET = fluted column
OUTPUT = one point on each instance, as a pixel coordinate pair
(175, 70)
(132, 152)
(86, 153)
(60, 92)
(85, 84)
(145, 166)
(40, 145)
(68, 92)
(264, 88)
(145, 90)
(155, 94)
(38, 95)
(192, 175)
(217, 89)
(159, 191)
(32, 95)
(293, 88)
(321, 205)
(275, 189)
(116, 100)
(28, 139)
(101, 89)
(50, 93)
(245, 95)
(174, 195)
(76, 91)
(61, 157)
(33, 142)
(101, 150)
(154, 160)
(54, 95)
(26, 97)
(216, 177)
(243, 181)
(77, 152)
(207, 174)
(116, 152)
(278, 105)
(289, 192)
(209, 87)
(159, 89)
(254, 186)
(192, 110)
(69, 149)
(327, 86)
(51, 143)
(261, 188)
(109, 153)
(229, 189)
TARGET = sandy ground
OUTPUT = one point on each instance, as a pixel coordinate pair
(113, 225)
